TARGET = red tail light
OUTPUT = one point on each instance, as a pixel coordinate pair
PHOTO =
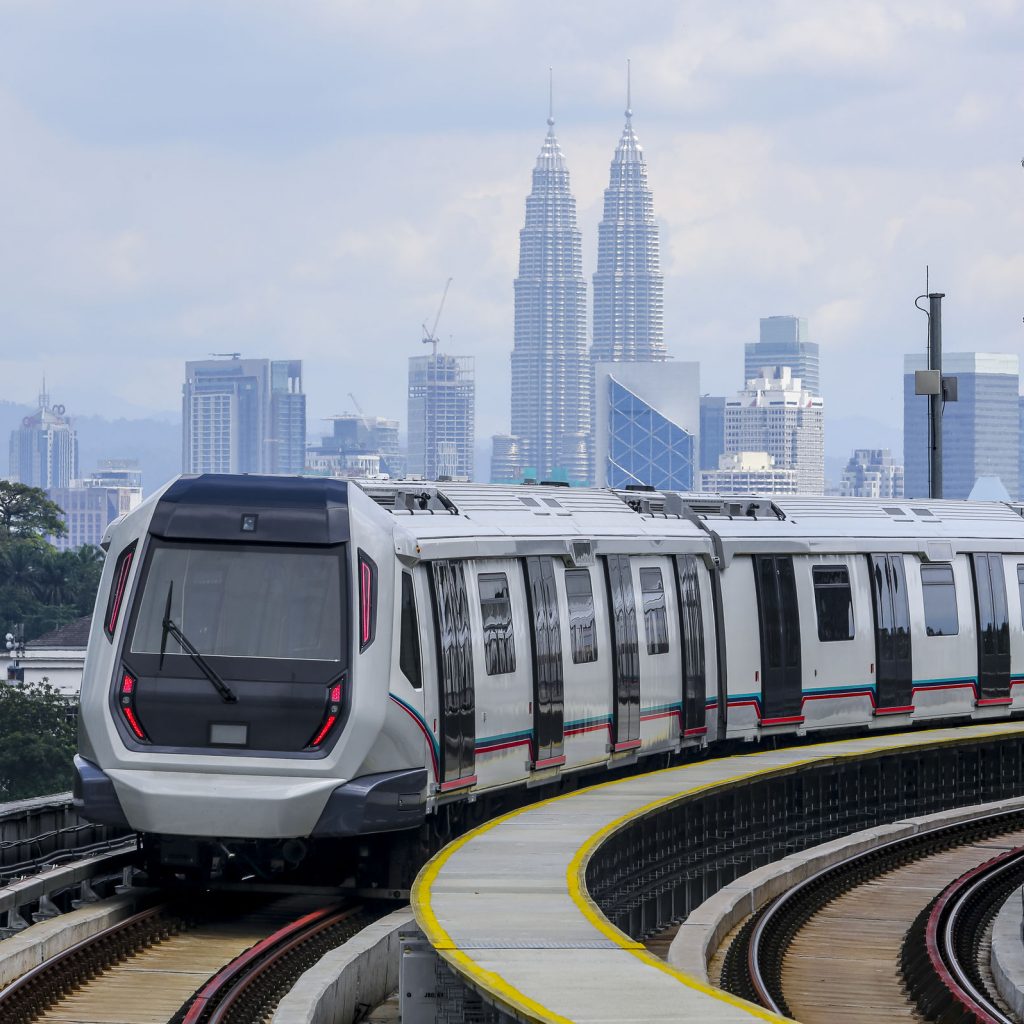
(330, 715)
(367, 600)
(117, 590)
(127, 700)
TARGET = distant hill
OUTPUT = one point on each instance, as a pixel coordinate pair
(154, 443)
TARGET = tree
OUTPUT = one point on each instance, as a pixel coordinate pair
(37, 741)
(27, 512)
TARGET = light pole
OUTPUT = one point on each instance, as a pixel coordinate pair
(15, 644)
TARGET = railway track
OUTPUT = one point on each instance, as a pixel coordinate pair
(831, 949)
(225, 962)
(941, 961)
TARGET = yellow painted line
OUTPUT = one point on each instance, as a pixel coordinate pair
(513, 998)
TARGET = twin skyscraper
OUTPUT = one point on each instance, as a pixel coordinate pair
(552, 366)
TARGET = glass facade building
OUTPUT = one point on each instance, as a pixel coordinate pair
(648, 424)
(783, 343)
(712, 430)
(981, 431)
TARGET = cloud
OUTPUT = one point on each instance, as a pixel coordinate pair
(182, 178)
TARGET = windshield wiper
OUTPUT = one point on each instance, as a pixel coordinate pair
(171, 628)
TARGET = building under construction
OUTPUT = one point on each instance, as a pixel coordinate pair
(442, 400)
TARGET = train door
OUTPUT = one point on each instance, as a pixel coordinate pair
(456, 697)
(691, 627)
(626, 663)
(779, 618)
(993, 629)
(548, 677)
(894, 670)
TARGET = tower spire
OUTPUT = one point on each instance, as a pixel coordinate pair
(551, 96)
(629, 89)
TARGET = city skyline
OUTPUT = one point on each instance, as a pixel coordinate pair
(794, 163)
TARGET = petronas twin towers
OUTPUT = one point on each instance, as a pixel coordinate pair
(552, 370)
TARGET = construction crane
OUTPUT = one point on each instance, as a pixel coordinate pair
(355, 402)
(226, 355)
(430, 337)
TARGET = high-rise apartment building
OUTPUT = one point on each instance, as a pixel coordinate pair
(981, 430)
(243, 416)
(628, 285)
(44, 449)
(647, 424)
(775, 414)
(872, 473)
(712, 430)
(442, 406)
(783, 343)
(550, 370)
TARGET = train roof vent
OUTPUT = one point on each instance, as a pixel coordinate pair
(707, 506)
(412, 498)
(646, 500)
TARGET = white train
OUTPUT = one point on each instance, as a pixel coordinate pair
(278, 660)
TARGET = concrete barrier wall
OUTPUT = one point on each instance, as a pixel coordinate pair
(28, 949)
(359, 974)
(1008, 952)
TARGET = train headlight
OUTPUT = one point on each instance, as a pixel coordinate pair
(127, 701)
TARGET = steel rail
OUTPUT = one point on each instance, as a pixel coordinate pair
(783, 917)
(949, 930)
(219, 997)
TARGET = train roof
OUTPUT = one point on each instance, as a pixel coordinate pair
(737, 523)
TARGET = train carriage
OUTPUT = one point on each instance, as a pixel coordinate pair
(278, 662)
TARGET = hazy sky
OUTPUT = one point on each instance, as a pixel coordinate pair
(298, 180)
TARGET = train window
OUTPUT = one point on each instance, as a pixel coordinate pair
(1020, 589)
(496, 608)
(582, 627)
(409, 651)
(940, 616)
(652, 587)
(834, 602)
(243, 602)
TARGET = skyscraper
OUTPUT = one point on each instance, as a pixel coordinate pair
(712, 430)
(647, 424)
(243, 416)
(776, 415)
(628, 285)
(442, 408)
(783, 342)
(550, 371)
(980, 431)
(44, 449)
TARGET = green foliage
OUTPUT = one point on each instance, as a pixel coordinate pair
(37, 741)
(27, 512)
(41, 588)
(44, 588)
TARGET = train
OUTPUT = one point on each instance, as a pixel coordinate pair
(296, 671)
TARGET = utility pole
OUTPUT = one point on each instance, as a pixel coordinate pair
(935, 401)
(939, 390)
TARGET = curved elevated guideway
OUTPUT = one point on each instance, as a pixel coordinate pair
(522, 909)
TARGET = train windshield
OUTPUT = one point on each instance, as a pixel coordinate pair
(243, 602)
